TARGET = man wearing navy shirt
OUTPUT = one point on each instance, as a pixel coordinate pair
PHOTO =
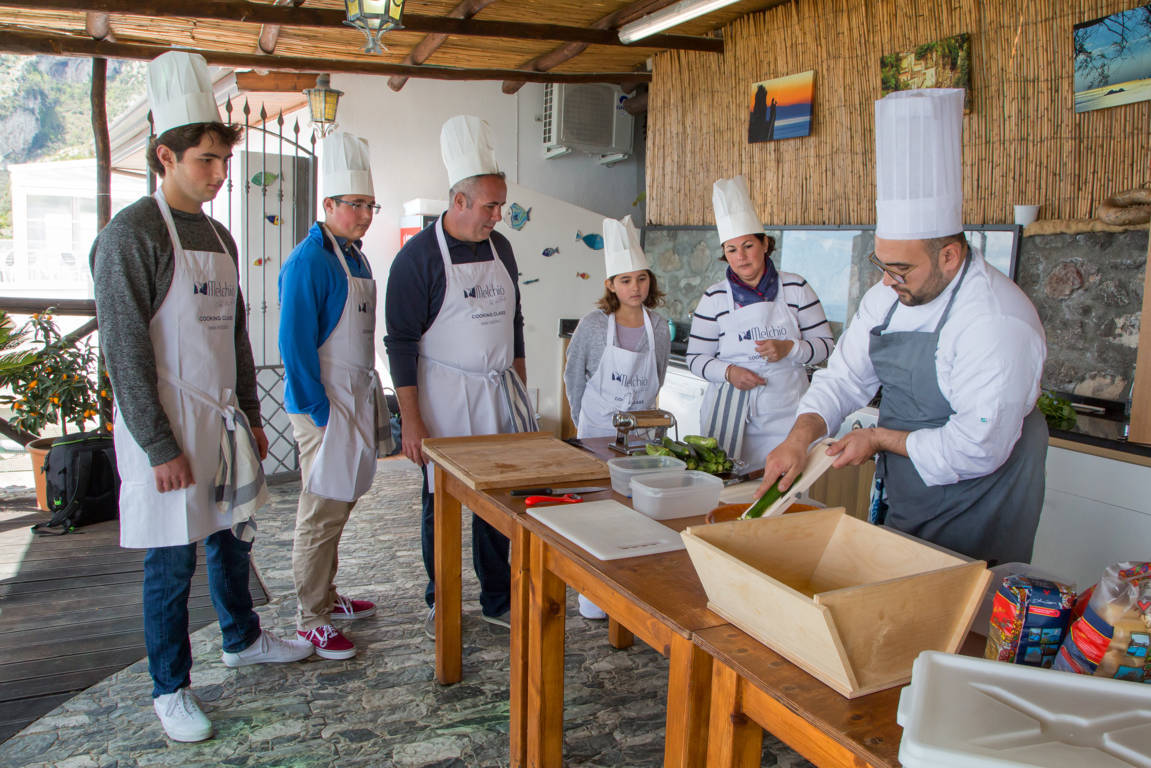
(455, 340)
(331, 391)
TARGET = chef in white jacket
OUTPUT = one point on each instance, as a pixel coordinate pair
(455, 340)
(956, 346)
(172, 328)
(331, 391)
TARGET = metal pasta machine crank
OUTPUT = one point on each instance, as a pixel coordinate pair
(635, 429)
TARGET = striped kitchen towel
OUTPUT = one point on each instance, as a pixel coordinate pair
(240, 486)
(517, 402)
(728, 418)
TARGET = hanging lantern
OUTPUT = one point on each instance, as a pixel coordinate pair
(323, 100)
(374, 18)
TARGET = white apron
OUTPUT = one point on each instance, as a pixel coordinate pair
(194, 344)
(346, 460)
(466, 355)
(770, 408)
(624, 381)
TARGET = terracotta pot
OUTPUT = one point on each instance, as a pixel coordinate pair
(38, 450)
(727, 512)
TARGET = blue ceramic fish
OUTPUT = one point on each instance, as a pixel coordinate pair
(549, 252)
(518, 216)
(264, 178)
(273, 219)
(591, 240)
(533, 280)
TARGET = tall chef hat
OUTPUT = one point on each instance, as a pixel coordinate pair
(180, 91)
(345, 167)
(918, 164)
(734, 213)
(466, 146)
(621, 248)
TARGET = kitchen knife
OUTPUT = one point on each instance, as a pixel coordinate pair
(569, 498)
(556, 491)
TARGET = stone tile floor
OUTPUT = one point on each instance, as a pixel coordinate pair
(383, 708)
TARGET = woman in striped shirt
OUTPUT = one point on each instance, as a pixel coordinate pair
(752, 334)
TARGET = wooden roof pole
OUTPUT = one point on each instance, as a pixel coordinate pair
(270, 33)
(423, 50)
(98, 26)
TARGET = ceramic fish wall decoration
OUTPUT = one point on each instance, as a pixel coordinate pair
(549, 252)
(264, 178)
(273, 219)
(591, 240)
(517, 216)
(259, 262)
(529, 282)
(582, 275)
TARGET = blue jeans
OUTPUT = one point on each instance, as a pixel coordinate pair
(167, 581)
(489, 558)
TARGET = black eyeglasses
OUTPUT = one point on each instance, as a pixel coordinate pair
(371, 207)
(899, 277)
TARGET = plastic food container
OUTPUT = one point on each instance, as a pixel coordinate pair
(625, 468)
(961, 712)
(680, 494)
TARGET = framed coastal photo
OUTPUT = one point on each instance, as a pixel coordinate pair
(944, 63)
(781, 108)
(1113, 60)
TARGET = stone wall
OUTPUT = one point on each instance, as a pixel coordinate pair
(1088, 289)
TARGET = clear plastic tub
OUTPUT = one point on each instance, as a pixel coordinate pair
(670, 495)
(625, 468)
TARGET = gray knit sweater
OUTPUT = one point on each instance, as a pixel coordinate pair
(587, 346)
(132, 262)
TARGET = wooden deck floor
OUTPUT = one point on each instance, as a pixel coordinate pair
(71, 613)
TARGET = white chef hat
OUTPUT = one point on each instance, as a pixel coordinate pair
(466, 146)
(180, 91)
(621, 249)
(734, 213)
(919, 164)
(345, 166)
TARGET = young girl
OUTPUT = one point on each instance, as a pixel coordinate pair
(617, 357)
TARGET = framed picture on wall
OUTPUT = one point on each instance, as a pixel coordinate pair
(1113, 60)
(781, 108)
(944, 63)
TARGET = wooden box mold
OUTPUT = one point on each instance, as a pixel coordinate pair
(851, 603)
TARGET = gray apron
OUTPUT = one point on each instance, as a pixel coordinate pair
(990, 518)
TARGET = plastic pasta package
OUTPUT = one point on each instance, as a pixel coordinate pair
(1112, 637)
(1029, 617)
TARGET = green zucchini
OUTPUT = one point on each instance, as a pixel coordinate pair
(772, 495)
(657, 450)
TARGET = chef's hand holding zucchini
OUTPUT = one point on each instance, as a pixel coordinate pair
(957, 347)
(752, 334)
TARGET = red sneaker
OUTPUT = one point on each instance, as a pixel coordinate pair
(329, 642)
(348, 609)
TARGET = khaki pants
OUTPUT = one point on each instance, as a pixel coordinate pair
(319, 525)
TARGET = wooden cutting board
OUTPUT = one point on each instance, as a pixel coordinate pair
(517, 460)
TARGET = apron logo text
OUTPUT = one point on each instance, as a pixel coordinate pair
(762, 334)
(214, 288)
(484, 291)
(629, 380)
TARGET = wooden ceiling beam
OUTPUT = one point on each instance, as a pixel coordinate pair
(31, 44)
(423, 50)
(273, 82)
(264, 13)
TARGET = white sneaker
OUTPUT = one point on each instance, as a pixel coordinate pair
(269, 649)
(590, 610)
(181, 717)
(430, 624)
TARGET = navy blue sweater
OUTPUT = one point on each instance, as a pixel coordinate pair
(416, 293)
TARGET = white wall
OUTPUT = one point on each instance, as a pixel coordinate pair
(403, 131)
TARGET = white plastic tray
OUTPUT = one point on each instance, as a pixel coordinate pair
(608, 529)
(963, 712)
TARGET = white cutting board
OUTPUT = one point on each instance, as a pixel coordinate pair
(607, 529)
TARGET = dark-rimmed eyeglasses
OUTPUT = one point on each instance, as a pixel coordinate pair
(358, 206)
(896, 275)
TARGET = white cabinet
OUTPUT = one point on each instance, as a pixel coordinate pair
(682, 394)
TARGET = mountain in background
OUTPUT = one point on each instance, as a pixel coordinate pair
(45, 114)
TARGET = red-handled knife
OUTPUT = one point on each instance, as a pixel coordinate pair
(567, 498)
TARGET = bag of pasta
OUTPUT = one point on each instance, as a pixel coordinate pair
(1112, 637)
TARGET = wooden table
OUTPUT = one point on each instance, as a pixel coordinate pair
(657, 597)
(463, 476)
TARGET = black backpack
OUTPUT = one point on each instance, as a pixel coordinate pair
(81, 480)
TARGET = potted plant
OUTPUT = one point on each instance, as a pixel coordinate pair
(50, 382)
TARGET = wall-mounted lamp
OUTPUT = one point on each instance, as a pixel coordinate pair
(668, 17)
(323, 100)
(374, 18)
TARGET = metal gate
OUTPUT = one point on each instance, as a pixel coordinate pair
(268, 205)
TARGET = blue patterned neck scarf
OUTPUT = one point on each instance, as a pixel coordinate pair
(766, 290)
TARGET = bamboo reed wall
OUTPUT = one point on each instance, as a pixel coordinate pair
(1023, 142)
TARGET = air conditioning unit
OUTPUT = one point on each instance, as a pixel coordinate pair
(587, 118)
